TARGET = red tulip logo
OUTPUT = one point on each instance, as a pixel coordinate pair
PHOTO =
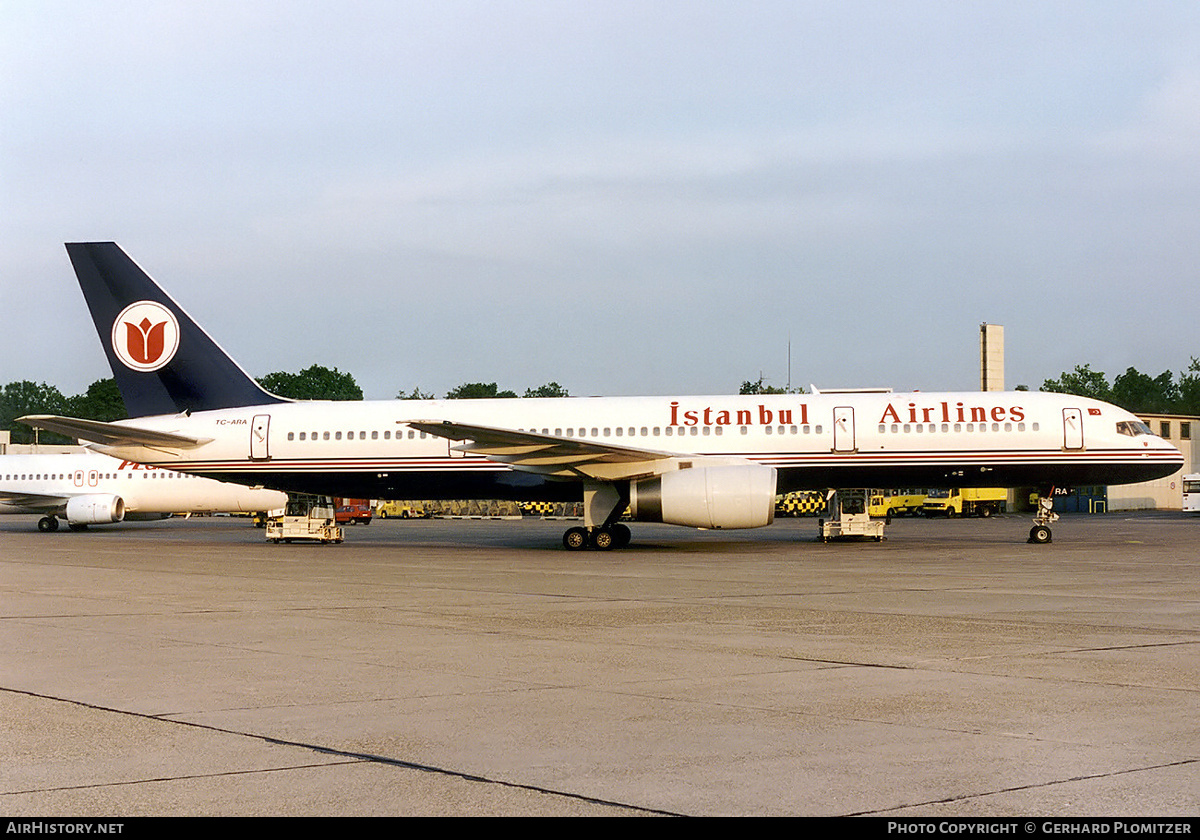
(145, 340)
(145, 336)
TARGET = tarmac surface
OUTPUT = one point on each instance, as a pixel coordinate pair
(475, 667)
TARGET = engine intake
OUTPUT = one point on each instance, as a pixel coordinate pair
(738, 496)
(95, 509)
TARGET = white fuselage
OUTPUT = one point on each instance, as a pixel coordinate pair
(45, 484)
(366, 449)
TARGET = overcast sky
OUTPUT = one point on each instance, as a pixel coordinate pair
(628, 198)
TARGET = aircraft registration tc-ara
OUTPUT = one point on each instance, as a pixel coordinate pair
(93, 489)
(703, 462)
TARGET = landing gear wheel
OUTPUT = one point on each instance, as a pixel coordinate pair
(77, 526)
(621, 535)
(48, 523)
(1039, 534)
(575, 539)
(603, 539)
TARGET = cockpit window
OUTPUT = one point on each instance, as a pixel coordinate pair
(1133, 428)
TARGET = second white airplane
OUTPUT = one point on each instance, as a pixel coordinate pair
(704, 462)
(92, 489)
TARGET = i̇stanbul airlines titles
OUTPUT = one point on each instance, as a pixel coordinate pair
(705, 462)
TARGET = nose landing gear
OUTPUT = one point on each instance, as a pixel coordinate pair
(1040, 532)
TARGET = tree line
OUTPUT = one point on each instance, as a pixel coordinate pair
(1133, 390)
(101, 401)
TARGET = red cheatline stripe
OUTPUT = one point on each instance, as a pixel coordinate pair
(784, 459)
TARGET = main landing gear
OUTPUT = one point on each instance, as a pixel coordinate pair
(602, 504)
(1040, 532)
(603, 538)
(48, 523)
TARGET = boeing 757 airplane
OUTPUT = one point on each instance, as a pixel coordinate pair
(704, 462)
(92, 489)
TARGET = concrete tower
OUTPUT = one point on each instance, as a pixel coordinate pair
(991, 357)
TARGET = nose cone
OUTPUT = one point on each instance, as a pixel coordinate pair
(1163, 457)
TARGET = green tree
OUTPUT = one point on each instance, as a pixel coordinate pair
(101, 401)
(313, 383)
(550, 389)
(1084, 382)
(759, 387)
(1189, 389)
(477, 391)
(415, 394)
(1139, 393)
(25, 397)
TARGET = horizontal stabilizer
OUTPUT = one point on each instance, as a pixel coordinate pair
(110, 434)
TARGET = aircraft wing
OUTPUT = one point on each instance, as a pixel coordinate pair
(551, 454)
(33, 502)
(110, 434)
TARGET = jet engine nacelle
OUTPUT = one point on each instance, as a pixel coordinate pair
(737, 496)
(95, 509)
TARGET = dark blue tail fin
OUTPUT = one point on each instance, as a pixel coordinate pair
(162, 361)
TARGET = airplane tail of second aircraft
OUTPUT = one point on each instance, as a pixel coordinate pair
(163, 362)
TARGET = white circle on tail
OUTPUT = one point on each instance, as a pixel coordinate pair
(145, 336)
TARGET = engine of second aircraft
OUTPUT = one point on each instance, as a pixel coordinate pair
(735, 496)
(95, 509)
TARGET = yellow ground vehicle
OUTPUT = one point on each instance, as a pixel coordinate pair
(400, 510)
(888, 503)
(801, 503)
(970, 501)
